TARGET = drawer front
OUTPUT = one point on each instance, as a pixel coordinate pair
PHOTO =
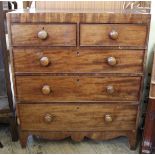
(43, 35)
(82, 61)
(112, 35)
(63, 88)
(77, 117)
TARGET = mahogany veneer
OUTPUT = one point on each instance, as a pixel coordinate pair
(29, 60)
(78, 74)
(103, 35)
(78, 89)
(58, 35)
(75, 117)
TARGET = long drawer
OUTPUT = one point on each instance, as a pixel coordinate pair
(73, 88)
(78, 61)
(77, 117)
(43, 34)
(113, 35)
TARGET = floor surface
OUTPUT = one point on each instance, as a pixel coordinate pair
(39, 146)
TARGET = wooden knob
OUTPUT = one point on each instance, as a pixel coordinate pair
(110, 89)
(113, 35)
(42, 34)
(108, 118)
(48, 118)
(46, 90)
(44, 61)
(111, 61)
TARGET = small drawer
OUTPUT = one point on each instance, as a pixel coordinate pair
(43, 34)
(113, 35)
(77, 117)
(75, 89)
(36, 60)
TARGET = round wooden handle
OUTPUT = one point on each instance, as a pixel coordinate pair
(44, 61)
(48, 118)
(42, 34)
(110, 89)
(46, 90)
(108, 118)
(111, 61)
(113, 35)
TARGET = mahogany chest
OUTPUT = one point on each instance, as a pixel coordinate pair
(78, 74)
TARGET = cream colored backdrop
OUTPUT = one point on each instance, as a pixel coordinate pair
(82, 5)
(151, 37)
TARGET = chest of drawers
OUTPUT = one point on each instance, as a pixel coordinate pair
(78, 74)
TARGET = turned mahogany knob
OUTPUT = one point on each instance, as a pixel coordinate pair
(42, 34)
(108, 118)
(113, 35)
(48, 118)
(46, 90)
(44, 61)
(111, 61)
(110, 89)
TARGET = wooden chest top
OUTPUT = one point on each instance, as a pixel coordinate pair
(95, 16)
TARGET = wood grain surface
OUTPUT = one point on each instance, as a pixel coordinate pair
(77, 117)
(76, 88)
(58, 35)
(98, 35)
(77, 61)
(71, 16)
